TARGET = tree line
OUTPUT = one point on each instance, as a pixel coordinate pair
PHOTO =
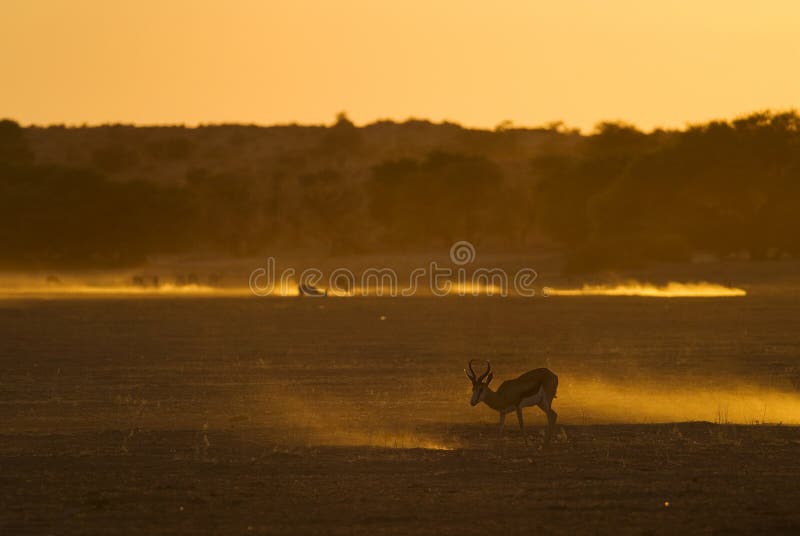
(119, 195)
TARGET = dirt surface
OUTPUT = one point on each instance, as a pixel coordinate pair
(677, 478)
(351, 416)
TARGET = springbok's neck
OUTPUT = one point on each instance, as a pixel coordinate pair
(491, 399)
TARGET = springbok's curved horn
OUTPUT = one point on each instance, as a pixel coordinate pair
(471, 372)
(488, 370)
(482, 376)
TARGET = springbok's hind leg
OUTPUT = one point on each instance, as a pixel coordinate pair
(552, 416)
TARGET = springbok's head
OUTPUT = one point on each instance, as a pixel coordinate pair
(479, 383)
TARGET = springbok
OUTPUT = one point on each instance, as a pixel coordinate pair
(534, 388)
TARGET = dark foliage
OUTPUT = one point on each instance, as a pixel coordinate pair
(720, 188)
(116, 195)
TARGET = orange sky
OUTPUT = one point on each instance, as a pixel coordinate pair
(473, 62)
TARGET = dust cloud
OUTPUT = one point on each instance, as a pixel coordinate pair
(672, 289)
(331, 421)
(449, 423)
(600, 401)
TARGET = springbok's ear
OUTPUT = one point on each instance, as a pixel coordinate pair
(489, 378)
(468, 376)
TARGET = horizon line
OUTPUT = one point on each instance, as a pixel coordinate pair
(504, 125)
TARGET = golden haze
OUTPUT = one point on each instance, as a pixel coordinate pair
(478, 63)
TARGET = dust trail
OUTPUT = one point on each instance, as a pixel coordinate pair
(437, 417)
(107, 285)
(116, 289)
(111, 291)
(603, 401)
(700, 289)
(335, 422)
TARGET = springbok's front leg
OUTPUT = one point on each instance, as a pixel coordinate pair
(551, 420)
(500, 425)
(521, 426)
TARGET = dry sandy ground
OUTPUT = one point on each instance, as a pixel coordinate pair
(305, 416)
(661, 479)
